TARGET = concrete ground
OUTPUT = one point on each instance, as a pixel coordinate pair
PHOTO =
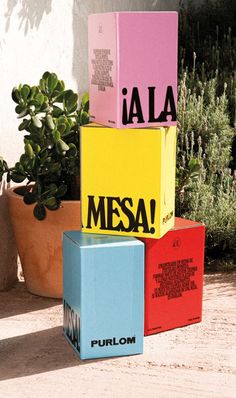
(195, 361)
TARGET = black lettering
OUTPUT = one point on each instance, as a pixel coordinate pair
(103, 211)
(96, 213)
(112, 210)
(131, 340)
(169, 103)
(71, 325)
(135, 108)
(129, 215)
(65, 315)
(141, 217)
(109, 342)
(114, 341)
(124, 107)
(152, 118)
(167, 217)
(123, 340)
(174, 278)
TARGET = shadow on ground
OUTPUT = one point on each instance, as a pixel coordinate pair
(35, 353)
(224, 278)
(19, 301)
(225, 283)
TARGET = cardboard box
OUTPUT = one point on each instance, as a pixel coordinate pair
(174, 268)
(128, 180)
(103, 301)
(133, 68)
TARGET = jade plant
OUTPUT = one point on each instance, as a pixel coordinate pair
(51, 120)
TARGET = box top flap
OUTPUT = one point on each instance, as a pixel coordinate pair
(181, 223)
(134, 13)
(87, 240)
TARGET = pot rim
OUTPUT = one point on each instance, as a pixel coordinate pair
(11, 192)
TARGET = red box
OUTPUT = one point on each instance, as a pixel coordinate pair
(174, 268)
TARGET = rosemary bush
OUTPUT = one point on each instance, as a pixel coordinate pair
(206, 180)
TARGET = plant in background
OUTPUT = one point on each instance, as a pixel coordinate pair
(211, 39)
(50, 163)
(206, 153)
(215, 204)
(205, 135)
(206, 186)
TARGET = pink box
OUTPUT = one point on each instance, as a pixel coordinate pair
(133, 68)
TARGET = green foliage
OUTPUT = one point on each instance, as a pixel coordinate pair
(204, 127)
(206, 181)
(51, 120)
(215, 203)
(206, 186)
(207, 48)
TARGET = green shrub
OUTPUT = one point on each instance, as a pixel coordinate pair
(204, 131)
(215, 205)
(206, 188)
(206, 182)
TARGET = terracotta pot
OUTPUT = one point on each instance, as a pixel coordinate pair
(39, 243)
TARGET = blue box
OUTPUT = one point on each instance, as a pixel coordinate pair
(103, 303)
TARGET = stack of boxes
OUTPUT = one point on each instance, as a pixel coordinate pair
(130, 238)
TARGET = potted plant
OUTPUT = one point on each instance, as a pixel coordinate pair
(49, 203)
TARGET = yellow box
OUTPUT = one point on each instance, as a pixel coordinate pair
(128, 180)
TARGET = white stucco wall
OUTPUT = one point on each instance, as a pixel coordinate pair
(40, 35)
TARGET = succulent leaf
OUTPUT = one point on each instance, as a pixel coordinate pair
(36, 122)
(29, 198)
(29, 150)
(52, 81)
(50, 122)
(15, 95)
(40, 212)
(24, 125)
(51, 203)
(61, 191)
(25, 91)
(85, 102)
(17, 177)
